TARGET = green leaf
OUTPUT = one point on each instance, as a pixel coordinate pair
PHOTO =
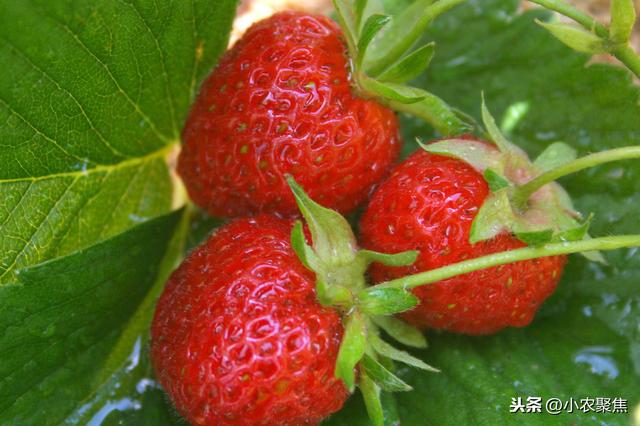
(382, 377)
(385, 301)
(92, 96)
(67, 343)
(623, 18)
(371, 27)
(92, 100)
(555, 155)
(575, 37)
(401, 331)
(351, 349)
(409, 67)
(386, 350)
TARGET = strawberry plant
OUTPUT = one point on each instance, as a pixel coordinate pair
(94, 97)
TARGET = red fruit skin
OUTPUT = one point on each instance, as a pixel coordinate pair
(238, 337)
(428, 204)
(281, 102)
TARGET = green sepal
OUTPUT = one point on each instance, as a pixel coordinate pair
(535, 238)
(333, 294)
(411, 66)
(333, 239)
(495, 133)
(401, 331)
(575, 37)
(623, 18)
(495, 180)
(385, 300)
(404, 258)
(388, 351)
(382, 377)
(372, 26)
(555, 155)
(478, 155)
(352, 349)
(299, 244)
(403, 32)
(391, 91)
(494, 217)
(359, 8)
(371, 395)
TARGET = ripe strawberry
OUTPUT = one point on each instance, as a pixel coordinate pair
(429, 203)
(238, 337)
(281, 102)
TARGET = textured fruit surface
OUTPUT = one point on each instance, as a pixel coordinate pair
(238, 337)
(428, 203)
(280, 102)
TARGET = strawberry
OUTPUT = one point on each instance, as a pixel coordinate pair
(256, 327)
(465, 198)
(429, 203)
(238, 337)
(281, 101)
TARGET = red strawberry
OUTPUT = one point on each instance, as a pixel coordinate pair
(238, 337)
(281, 102)
(429, 203)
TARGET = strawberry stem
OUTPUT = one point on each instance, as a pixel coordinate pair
(429, 277)
(623, 52)
(522, 193)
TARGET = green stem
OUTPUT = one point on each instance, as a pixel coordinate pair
(624, 53)
(522, 193)
(629, 57)
(435, 275)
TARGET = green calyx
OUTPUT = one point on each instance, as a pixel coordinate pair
(340, 267)
(383, 58)
(535, 214)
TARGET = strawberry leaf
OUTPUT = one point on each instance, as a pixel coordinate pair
(92, 99)
(75, 338)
